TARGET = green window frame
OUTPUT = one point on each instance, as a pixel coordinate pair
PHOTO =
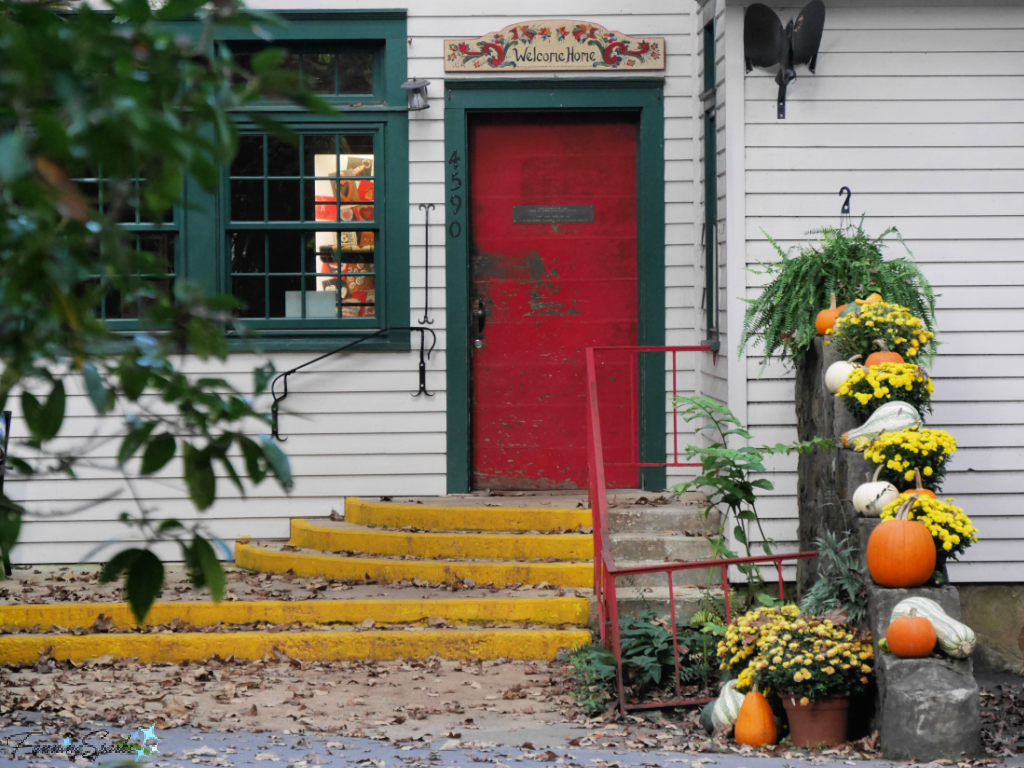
(203, 221)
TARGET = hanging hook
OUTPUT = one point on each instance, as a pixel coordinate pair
(844, 213)
(424, 356)
(426, 208)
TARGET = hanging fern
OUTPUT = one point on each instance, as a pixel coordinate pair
(847, 263)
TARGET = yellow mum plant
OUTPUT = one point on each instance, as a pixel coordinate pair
(746, 632)
(902, 454)
(813, 658)
(951, 529)
(879, 325)
(867, 388)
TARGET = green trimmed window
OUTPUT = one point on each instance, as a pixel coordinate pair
(312, 237)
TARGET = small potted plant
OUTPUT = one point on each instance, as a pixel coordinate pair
(865, 389)
(814, 666)
(912, 454)
(881, 327)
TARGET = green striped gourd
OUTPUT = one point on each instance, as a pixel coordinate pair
(727, 708)
(955, 638)
(890, 417)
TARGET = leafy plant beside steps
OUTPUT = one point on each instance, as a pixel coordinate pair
(841, 580)
(729, 476)
(845, 263)
(648, 661)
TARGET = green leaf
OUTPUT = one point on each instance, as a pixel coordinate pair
(137, 435)
(262, 376)
(161, 449)
(134, 379)
(199, 477)
(268, 59)
(274, 128)
(10, 529)
(232, 473)
(739, 535)
(254, 461)
(101, 397)
(44, 420)
(144, 581)
(213, 572)
(118, 564)
(170, 524)
(179, 9)
(14, 161)
(278, 461)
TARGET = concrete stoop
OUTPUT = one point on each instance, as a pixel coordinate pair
(538, 546)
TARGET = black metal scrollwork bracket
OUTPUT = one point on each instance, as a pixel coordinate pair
(425, 354)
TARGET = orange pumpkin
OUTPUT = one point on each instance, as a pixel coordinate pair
(755, 723)
(882, 356)
(919, 490)
(911, 637)
(901, 552)
(827, 317)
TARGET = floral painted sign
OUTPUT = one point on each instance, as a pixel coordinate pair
(554, 45)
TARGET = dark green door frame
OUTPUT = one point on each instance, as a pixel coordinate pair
(642, 96)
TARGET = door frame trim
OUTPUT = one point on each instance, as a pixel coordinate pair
(638, 95)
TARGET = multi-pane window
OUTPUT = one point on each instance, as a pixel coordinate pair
(159, 238)
(303, 232)
(327, 73)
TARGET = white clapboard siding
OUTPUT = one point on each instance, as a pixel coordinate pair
(918, 106)
(353, 427)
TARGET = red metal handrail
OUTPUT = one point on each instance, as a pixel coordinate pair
(605, 569)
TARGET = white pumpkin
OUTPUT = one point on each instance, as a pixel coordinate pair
(839, 372)
(871, 498)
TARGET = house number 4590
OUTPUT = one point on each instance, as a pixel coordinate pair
(455, 200)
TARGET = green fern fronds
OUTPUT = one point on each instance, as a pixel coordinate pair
(847, 263)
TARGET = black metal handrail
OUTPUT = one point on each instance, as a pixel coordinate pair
(283, 377)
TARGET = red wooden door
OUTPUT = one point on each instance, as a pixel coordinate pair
(548, 288)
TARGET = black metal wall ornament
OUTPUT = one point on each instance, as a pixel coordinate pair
(426, 208)
(766, 44)
(844, 213)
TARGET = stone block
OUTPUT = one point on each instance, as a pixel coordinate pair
(930, 709)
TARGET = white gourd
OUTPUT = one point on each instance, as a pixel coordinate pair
(890, 417)
(727, 708)
(956, 639)
(839, 372)
(872, 497)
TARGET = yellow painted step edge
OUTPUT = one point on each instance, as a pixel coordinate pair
(471, 610)
(391, 515)
(472, 546)
(307, 646)
(434, 571)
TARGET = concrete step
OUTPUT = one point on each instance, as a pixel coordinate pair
(274, 557)
(682, 517)
(477, 516)
(688, 600)
(699, 577)
(328, 644)
(410, 606)
(330, 536)
(660, 547)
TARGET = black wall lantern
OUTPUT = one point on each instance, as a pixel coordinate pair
(766, 44)
(416, 90)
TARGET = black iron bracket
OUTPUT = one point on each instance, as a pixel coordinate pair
(425, 354)
(426, 208)
(844, 212)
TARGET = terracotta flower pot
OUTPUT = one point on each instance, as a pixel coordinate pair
(819, 723)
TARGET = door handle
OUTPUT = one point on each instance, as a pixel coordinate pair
(480, 313)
